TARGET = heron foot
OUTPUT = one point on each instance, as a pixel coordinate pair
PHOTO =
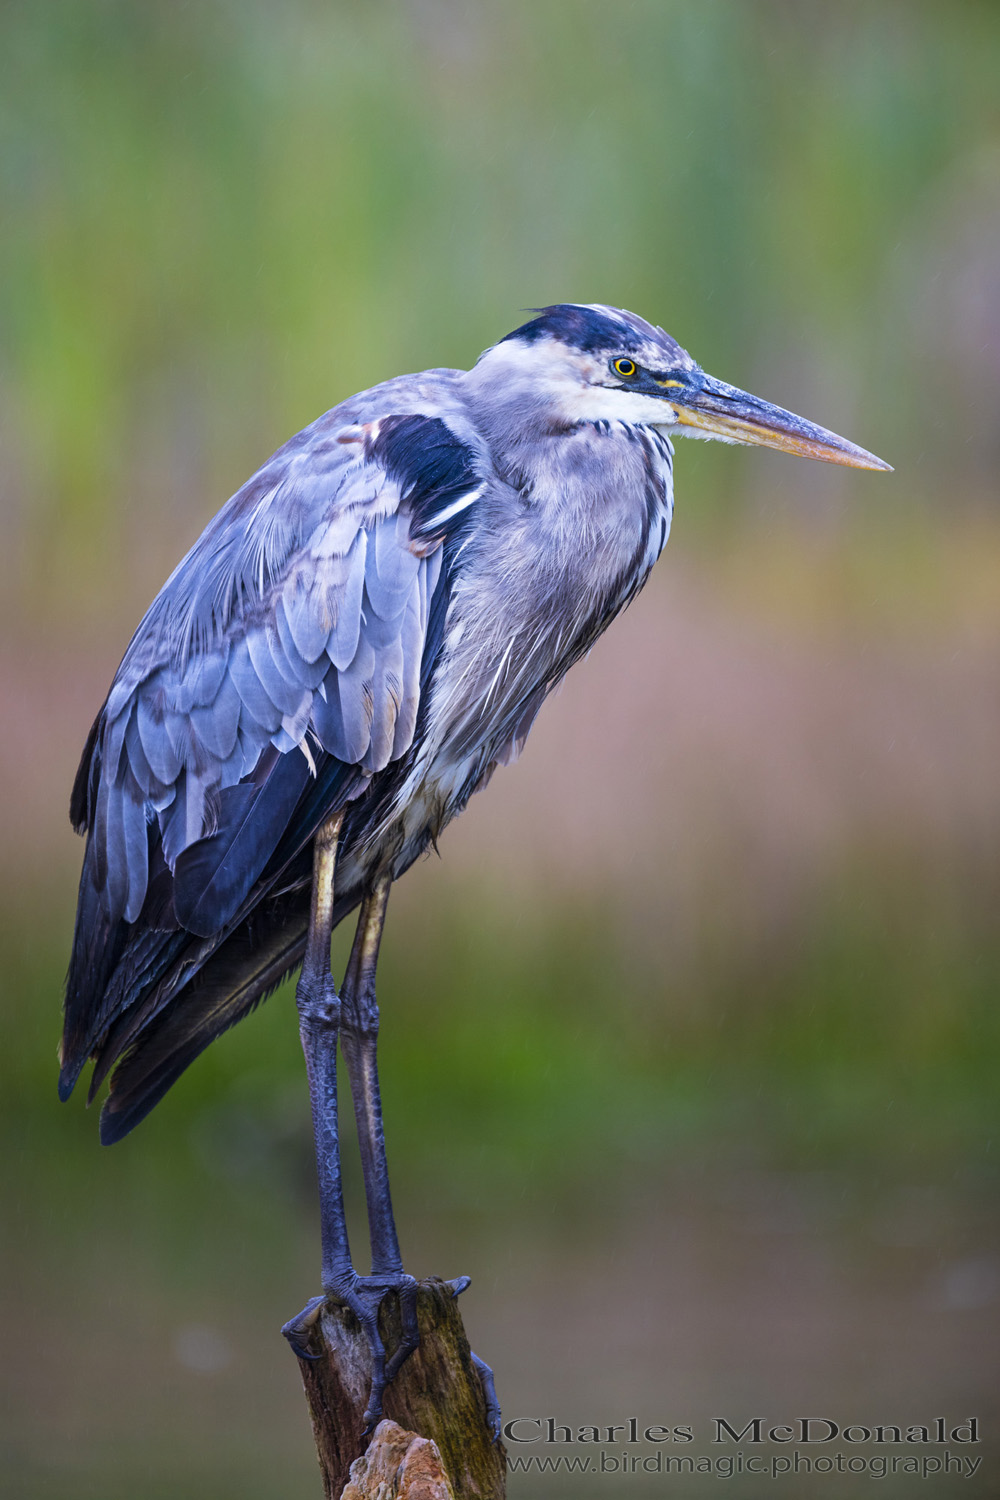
(364, 1296)
(298, 1330)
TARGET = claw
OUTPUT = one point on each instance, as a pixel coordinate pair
(298, 1329)
(459, 1285)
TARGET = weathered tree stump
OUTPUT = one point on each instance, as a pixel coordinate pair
(437, 1394)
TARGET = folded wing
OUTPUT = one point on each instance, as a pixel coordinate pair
(292, 633)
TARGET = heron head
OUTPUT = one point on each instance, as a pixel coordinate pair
(590, 363)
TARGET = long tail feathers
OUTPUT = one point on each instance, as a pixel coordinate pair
(231, 984)
(150, 996)
(97, 947)
(242, 972)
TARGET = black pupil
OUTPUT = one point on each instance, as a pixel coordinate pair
(625, 367)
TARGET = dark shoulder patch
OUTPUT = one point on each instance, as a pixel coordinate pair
(434, 469)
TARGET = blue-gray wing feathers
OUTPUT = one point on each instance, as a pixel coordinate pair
(295, 627)
(329, 648)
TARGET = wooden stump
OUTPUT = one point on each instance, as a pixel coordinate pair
(437, 1394)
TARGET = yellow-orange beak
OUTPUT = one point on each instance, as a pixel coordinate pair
(723, 411)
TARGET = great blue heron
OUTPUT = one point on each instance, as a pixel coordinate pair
(364, 632)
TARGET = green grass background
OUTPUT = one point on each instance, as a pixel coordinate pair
(217, 221)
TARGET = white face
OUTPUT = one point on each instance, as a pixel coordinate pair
(574, 386)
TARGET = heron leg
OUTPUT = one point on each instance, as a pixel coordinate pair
(319, 1010)
(319, 1022)
(353, 1017)
(320, 1018)
(359, 1043)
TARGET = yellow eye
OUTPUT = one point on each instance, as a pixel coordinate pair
(624, 367)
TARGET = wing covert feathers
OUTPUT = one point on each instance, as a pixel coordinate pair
(282, 663)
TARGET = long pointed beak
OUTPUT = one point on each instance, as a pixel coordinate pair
(723, 411)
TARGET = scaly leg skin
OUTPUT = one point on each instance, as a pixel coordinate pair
(359, 1043)
(355, 1016)
(319, 1009)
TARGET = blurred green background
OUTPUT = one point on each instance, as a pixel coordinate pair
(690, 1047)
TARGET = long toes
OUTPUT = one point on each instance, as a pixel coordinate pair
(366, 1312)
(298, 1330)
(493, 1415)
(400, 1355)
(373, 1411)
(409, 1330)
